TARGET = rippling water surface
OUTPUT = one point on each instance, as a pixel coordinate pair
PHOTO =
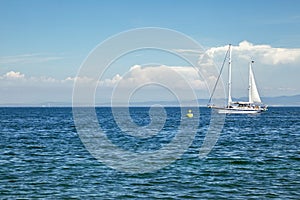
(256, 156)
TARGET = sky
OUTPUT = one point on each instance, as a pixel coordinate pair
(44, 43)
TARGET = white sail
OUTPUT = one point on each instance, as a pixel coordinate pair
(253, 92)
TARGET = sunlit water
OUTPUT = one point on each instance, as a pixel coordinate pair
(256, 156)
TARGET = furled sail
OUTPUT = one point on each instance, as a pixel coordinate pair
(253, 92)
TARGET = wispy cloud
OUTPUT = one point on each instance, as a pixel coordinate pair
(29, 58)
(189, 51)
(294, 19)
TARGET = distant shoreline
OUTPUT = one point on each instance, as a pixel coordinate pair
(278, 101)
(122, 106)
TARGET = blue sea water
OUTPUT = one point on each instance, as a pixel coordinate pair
(256, 156)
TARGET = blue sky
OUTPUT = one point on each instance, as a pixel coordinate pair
(50, 39)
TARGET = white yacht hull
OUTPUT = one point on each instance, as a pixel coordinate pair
(237, 111)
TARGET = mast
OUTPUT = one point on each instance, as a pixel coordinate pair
(229, 77)
(225, 58)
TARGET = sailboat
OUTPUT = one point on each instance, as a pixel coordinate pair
(252, 106)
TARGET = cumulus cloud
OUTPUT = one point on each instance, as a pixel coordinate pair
(13, 75)
(138, 75)
(79, 79)
(16, 78)
(264, 54)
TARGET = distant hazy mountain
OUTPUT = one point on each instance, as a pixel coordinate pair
(283, 100)
(271, 101)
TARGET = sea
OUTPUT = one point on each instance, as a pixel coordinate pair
(256, 156)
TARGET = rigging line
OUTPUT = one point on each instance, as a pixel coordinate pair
(215, 86)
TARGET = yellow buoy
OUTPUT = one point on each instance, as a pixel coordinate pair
(190, 114)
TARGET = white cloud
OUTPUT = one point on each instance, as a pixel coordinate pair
(79, 79)
(111, 82)
(264, 54)
(43, 79)
(138, 75)
(13, 75)
(14, 78)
